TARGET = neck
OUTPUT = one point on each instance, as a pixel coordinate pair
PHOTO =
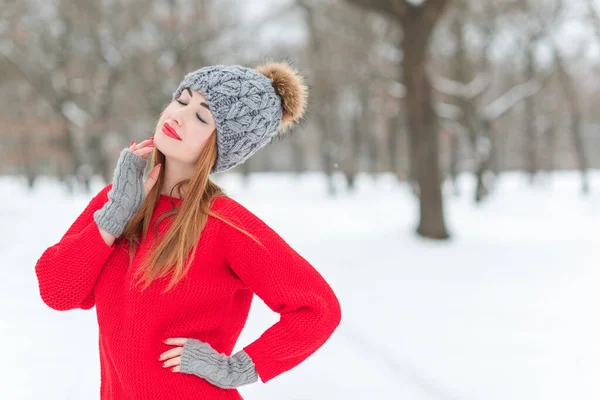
(174, 172)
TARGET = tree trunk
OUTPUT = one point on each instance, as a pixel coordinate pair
(368, 131)
(424, 131)
(460, 73)
(551, 149)
(325, 151)
(393, 132)
(483, 164)
(575, 126)
(454, 160)
(353, 151)
(298, 156)
(529, 129)
(29, 163)
(580, 151)
(418, 22)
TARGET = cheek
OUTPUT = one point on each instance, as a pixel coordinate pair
(198, 137)
(166, 114)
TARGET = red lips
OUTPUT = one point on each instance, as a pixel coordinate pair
(169, 131)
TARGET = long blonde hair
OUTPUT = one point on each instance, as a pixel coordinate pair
(172, 250)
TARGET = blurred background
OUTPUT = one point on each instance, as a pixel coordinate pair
(445, 181)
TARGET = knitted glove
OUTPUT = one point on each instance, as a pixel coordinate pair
(126, 194)
(200, 359)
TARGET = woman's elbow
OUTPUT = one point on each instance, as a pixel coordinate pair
(56, 296)
(331, 312)
(56, 302)
(335, 312)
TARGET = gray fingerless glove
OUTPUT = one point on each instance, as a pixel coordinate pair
(126, 194)
(200, 359)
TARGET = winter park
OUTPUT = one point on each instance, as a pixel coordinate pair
(335, 199)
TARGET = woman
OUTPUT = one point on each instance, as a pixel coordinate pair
(172, 264)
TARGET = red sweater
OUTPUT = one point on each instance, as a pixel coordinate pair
(210, 304)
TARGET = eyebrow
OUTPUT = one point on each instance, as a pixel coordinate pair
(202, 104)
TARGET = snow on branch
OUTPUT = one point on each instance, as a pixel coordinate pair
(75, 114)
(458, 89)
(396, 89)
(448, 111)
(477, 86)
(511, 98)
(446, 86)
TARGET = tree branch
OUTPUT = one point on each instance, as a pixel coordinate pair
(594, 16)
(42, 86)
(454, 88)
(397, 9)
(448, 111)
(512, 97)
(432, 9)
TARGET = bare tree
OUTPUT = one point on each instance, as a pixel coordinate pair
(324, 91)
(473, 117)
(575, 118)
(418, 23)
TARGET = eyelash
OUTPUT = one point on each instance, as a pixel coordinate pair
(197, 115)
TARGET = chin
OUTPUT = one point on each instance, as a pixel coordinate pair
(173, 154)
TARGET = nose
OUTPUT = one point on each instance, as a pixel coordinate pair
(176, 115)
(176, 118)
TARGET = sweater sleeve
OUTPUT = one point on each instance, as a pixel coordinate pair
(68, 270)
(309, 310)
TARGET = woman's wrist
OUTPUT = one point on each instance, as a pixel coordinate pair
(108, 238)
(202, 360)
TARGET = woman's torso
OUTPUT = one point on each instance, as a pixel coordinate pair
(210, 304)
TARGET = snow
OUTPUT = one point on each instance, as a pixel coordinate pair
(507, 309)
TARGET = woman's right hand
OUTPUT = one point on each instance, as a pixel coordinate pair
(143, 150)
(128, 188)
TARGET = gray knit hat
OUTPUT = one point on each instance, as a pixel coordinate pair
(251, 106)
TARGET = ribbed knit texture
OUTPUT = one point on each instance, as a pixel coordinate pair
(126, 195)
(210, 304)
(226, 372)
(245, 106)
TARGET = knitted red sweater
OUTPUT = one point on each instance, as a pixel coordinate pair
(210, 304)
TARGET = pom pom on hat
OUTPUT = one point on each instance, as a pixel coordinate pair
(290, 87)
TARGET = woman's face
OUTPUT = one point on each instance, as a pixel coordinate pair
(184, 127)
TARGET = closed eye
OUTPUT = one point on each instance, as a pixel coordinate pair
(197, 115)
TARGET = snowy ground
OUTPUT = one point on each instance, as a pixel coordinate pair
(505, 310)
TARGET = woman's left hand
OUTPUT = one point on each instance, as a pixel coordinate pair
(192, 356)
(172, 358)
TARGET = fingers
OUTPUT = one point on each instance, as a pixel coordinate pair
(176, 341)
(172, 362)
(145, 143)
(173, 356)
(144, 152)
(169, 354)
(141, 149)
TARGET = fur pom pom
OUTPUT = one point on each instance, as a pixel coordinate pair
(289, 85)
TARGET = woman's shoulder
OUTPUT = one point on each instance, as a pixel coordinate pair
(235, 212)
(225, 205)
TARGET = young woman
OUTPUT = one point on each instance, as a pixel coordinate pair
(172, 263)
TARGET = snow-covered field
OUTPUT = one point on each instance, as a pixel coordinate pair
(506, 310)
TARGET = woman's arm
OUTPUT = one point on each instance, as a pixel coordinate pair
(288, 284)
(68, 270)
